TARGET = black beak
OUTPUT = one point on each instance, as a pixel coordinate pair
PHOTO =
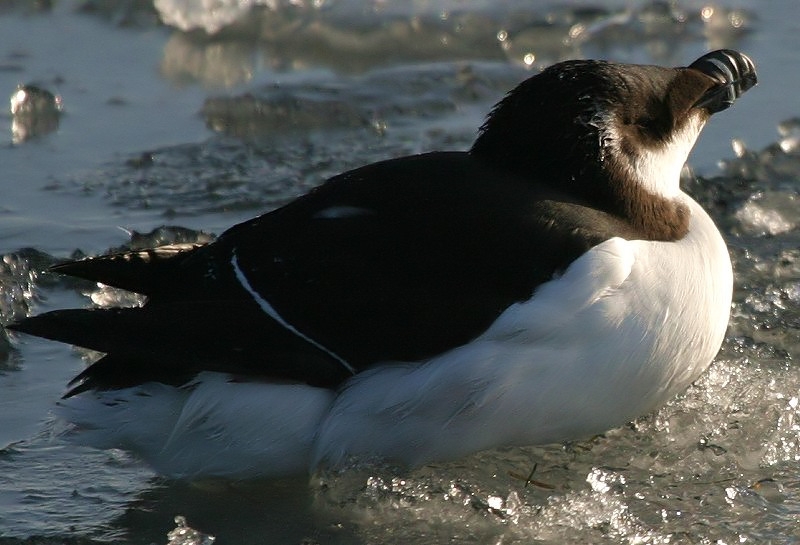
(734, 73)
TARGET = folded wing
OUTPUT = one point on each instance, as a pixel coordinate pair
(396, 261)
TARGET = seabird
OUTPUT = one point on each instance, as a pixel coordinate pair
(550, 283)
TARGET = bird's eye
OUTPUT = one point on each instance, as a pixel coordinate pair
(651, 128)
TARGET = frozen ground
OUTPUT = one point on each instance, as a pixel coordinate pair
(219, 115)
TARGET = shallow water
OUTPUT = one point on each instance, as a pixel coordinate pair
(169, 125)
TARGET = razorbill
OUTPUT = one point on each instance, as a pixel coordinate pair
(548, 284)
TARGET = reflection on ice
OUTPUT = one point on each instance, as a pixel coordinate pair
(758, 220)
(34, 112)
(184, 535)
(227, 45)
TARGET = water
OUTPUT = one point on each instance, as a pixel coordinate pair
(162, 125)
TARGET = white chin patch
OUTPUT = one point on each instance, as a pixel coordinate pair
(659, 169)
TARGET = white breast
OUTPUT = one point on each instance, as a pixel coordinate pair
(629, 325)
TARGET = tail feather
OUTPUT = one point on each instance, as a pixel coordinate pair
(172, 342)
(99, 329)
(120, 333)
(113, 372)
(140, 271)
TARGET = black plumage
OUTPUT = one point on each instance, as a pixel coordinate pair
(399, 260)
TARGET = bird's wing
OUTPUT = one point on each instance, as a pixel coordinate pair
(402, 260)
(395, 261)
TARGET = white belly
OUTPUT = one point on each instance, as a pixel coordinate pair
(629, 325)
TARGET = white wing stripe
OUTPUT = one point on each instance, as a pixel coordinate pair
(272, 313)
